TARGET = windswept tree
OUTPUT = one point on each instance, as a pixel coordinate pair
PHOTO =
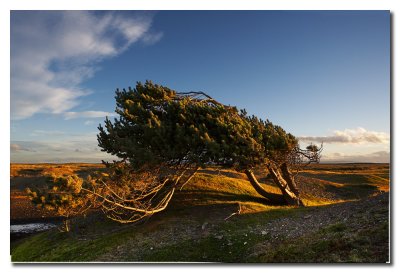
(160, 135)
(170, 134)
(163, 137)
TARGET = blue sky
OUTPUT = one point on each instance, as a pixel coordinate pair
(321, 75)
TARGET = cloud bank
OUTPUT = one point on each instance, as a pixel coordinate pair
(53, 52)
(353, 136)
(58, 151)
(375, 157)
(17, 148)
(88, 114)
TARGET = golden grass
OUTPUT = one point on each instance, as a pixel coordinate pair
(212, 186)
(48, 169)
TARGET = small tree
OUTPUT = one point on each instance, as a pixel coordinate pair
(63, 196)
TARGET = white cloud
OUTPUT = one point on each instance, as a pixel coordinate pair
(89, 122)
(47, 133)
(58, 151)
(17, 148)
(88, 114)
(53, 52)
(152, 38)
(374, 157)
(353, 136)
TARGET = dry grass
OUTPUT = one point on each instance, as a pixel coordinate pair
(320, 184)
(34, 170)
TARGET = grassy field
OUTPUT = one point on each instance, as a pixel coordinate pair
(345, 220)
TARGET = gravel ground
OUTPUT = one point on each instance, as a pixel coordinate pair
(355, 214)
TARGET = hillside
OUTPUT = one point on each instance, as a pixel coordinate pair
(346, 220)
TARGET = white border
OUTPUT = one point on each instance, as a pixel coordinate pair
(8, 5)
(202, 4)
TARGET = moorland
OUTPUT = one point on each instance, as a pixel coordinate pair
(219, 217)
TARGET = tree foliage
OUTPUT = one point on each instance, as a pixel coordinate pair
(63, 195)
(159, 126)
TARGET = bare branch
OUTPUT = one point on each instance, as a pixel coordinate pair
(237, 212)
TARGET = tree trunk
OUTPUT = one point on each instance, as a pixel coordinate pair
(290, 197)
(287, 175)
(66, 225)
(261, 191)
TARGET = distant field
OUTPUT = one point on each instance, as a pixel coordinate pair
(193, 227)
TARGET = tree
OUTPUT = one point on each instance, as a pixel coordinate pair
(163, 137)
(161, 129)
(279, 153)
(152, 119)
(63, 195)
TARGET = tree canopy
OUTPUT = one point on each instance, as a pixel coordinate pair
(157, 125)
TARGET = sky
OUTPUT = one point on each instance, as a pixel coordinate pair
(323, 76)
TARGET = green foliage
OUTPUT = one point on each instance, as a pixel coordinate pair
(275, 143)
(312, 148)
(62, 195)
(158, 125)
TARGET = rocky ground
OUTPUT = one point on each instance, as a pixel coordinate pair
(347, 216)
(257, 237)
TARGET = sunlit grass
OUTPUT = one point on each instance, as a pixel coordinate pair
(225, 186)
(209, 189)
(33, 170)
